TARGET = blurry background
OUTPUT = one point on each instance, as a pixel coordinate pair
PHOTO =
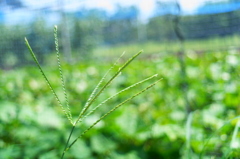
(91, 27)
(194, 45)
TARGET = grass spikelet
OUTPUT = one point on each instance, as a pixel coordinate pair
(118, 93)
(68, 112)
(93, 94)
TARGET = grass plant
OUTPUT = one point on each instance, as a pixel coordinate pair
(99, 89)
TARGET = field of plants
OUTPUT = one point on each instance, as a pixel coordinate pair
(190, 116)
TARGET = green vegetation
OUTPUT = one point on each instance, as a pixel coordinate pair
(153, 125)
(170, 47)
(192, 113)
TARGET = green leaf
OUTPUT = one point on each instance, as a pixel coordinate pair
(130, 155)
(128, 121)
(8, 111)
(80, 150)
(101, 144)
(47, 117)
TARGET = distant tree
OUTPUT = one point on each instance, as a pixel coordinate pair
(12, 46)
(211, 25)
(161, 26)
(122, 26)
(41, 38)
(86, 31)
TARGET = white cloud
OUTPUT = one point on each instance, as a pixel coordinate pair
(146, 8)
(190, 5)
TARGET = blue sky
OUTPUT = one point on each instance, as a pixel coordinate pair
(146, 6)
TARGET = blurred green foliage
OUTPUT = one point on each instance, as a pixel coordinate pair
(152, 126)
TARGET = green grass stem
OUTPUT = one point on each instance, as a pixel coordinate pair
(188, 134)
(234, 136)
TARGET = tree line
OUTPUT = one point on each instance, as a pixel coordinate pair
(94, 29)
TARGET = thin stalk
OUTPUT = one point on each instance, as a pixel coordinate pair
(109, 112)
(234, 143)
(235, 132)
(46, 79)
(68, 140)
(188, 134)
